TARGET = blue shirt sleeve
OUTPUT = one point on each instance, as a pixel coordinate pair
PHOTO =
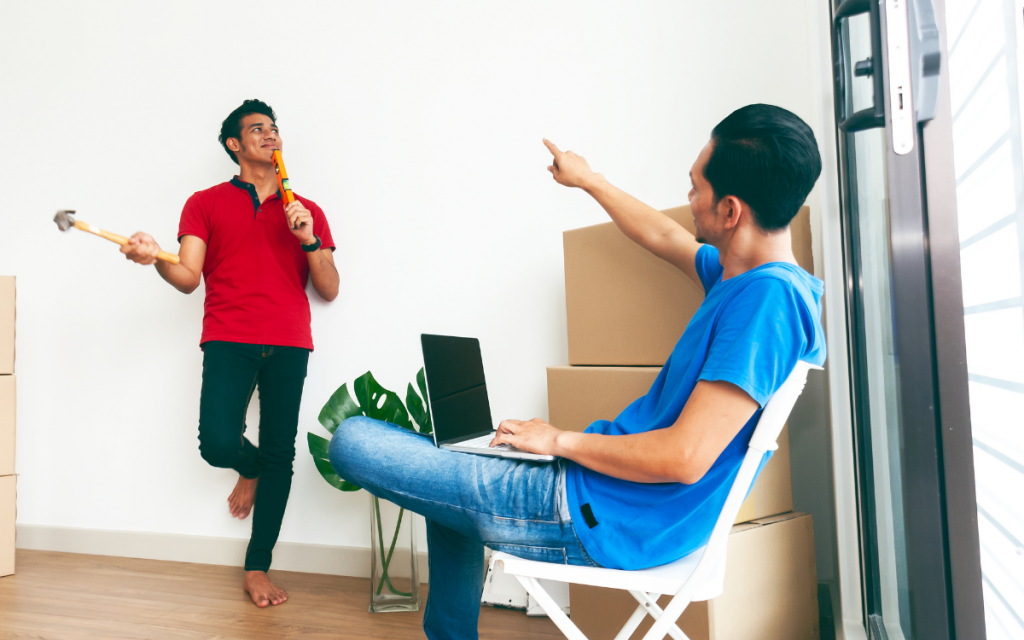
(709, 268)
(759, 337)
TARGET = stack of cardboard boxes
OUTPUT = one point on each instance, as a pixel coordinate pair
(7, 423)
(626, 309)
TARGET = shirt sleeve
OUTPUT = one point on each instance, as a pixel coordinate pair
(320, 226)
(709, 268)
(758, 338)
(194, 220)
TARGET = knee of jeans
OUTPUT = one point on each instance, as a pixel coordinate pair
(352, 442)
(218, 452)
(279, 461)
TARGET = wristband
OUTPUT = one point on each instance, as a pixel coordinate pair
(312, 247)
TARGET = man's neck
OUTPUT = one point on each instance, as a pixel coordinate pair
(750, 248)
(261, 176)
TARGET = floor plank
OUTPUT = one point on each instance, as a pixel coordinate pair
(66, 596)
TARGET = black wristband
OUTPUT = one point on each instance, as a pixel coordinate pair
(312, 247)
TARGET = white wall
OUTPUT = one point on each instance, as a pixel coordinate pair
(416, 126)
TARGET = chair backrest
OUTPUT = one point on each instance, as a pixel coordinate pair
(765, 438)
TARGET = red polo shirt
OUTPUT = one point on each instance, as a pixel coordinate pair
(255, 269)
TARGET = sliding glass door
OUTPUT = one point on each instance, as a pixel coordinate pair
(908, 379)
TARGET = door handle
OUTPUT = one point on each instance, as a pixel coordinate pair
(874, 116)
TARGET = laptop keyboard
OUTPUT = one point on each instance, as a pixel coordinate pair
(483, 441)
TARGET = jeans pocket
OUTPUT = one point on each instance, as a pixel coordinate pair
(583, 552)
(555, 555)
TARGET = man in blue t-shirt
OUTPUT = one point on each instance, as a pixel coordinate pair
(644, 489)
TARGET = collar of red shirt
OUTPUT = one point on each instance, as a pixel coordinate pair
(250, 188)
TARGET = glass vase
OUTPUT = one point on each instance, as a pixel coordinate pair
(394, 579)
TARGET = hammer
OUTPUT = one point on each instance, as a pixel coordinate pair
(65, 221)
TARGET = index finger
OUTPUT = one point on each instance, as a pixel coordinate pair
(500, 437)
(555, 151)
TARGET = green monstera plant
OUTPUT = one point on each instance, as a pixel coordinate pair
(373, 401)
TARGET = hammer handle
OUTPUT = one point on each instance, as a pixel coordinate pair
(121, 240)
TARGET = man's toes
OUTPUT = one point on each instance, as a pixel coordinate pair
(277, 596)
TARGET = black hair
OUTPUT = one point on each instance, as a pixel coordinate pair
(232, 125)
(767, 157)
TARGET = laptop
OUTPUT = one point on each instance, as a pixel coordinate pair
(459, 409)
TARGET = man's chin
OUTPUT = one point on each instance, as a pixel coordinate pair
(700, 240)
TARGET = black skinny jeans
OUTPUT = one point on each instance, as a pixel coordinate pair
(231, 371)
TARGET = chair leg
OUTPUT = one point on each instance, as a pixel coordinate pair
(649, 602)
(633, 622)
(665, 621)
(550, 607)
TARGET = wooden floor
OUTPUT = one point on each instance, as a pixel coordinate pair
(58, 596)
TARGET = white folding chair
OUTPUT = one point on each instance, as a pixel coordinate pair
(696, 577)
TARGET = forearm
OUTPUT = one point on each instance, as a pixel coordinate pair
(641, 223)
(178, 276)
(650, 457)
(323, 274)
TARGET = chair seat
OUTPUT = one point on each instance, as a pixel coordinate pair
(667, 578)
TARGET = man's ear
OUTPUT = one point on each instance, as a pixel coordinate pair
(233, 144)
(733, 209)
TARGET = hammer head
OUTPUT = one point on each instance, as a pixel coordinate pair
(64, 219)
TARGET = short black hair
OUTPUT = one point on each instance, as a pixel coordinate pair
(767, 157)
(232, 125)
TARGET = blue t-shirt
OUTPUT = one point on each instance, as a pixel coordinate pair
(750, 330)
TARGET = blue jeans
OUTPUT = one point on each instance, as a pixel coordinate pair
(469, 502)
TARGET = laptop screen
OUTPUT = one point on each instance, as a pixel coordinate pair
(455, 383)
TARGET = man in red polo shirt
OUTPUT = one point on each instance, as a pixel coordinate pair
(256, 256)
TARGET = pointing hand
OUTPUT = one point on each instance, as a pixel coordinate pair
(568, 168)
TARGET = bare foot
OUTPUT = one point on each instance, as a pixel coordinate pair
(241, 499)
(262, 590)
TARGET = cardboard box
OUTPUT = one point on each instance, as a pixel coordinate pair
(8, 413)
(626, 307)
(577, 396)
(6, 325)
(771, 590)
(8, 512)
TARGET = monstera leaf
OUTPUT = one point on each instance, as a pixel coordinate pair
(373, 401)
(419, 408)
(318, 448)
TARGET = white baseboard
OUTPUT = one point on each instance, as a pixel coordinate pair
(288, 556)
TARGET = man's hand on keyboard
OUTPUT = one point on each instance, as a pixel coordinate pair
(534, 436)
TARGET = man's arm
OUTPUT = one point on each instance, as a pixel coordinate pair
(323, 273)
(185, 275)
(321, 262)
(711, 418)
(645, 225)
